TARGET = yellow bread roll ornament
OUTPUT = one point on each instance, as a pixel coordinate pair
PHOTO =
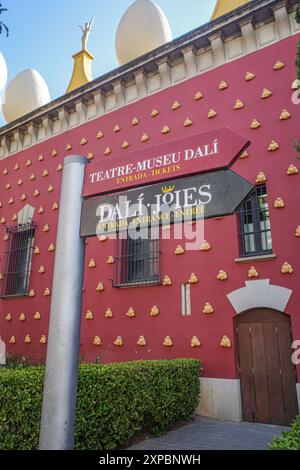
(252, 273)
(97, 341)
(292, 170)
(110, 260)
(145, 137)
(222, 276)
(167, 281)
(211, 113)
(188, 122)
(27, 339)
(193, 279)
(278, 65)
(238, 104)
(297, 233)
(109, 313)
(118, 341)
(284, 115)
(100, 287)
(208, 309)
(176, 105)
(12, 340)
(287, 268)
(37, 316)
(225, 342)
(131, 313)
(179, 250)
(165, 130)
(92, 263)
(154, 311)
(168, 342)
(249, 76)
(89, 315)
(22, 317)
(205, 246)
(195, 343)
(8, 317)
(223, 85)
(154, 113)
(279, 203)
(255, 124)
(198, 96)
(273, 146)
(43, 339)
(261, 177)
(266, 94)
(141, 341)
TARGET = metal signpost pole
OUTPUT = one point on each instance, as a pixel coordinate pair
(60, 387)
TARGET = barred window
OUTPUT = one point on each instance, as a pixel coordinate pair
(255, 226)
(17, 261)
(137, 261)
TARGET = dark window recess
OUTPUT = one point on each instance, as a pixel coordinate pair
(137, 262)
(17, 261)
(255, 226)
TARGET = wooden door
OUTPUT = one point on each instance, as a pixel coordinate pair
(267, 374)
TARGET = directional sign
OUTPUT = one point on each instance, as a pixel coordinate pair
(207, 195)
(192, 155)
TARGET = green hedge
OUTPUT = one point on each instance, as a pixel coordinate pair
(289, 440)
(114, 402)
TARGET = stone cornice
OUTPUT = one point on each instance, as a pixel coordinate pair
(132, 81)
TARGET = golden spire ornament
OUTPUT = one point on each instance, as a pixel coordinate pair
(82, 70)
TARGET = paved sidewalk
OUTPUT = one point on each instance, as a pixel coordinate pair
(211, 434)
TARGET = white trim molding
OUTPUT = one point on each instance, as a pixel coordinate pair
(221, 399)
(25, 215)
(259, 294)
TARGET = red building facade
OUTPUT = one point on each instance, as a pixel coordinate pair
(251, 95)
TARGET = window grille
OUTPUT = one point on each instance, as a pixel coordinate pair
(17, 261)
(255, 226)
(137, 262)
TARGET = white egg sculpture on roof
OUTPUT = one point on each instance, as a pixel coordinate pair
(25, 93)
(3, 72)
(143, 27)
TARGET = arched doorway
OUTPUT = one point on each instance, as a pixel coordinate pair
(267, 374)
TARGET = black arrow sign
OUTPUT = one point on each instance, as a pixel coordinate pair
(214, 194)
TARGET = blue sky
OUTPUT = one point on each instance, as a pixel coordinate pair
(44, 33)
